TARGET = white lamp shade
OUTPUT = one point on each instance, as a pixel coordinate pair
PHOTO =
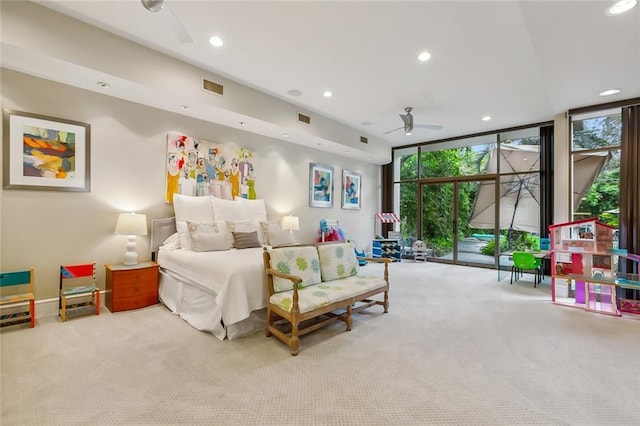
(131, 224)
(290, 223)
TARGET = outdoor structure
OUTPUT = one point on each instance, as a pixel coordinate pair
(519, 201)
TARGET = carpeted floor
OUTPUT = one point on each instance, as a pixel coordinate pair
(456, 348)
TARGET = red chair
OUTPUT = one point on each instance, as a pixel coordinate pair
(70, 277)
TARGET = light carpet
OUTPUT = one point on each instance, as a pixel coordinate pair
(457, 347)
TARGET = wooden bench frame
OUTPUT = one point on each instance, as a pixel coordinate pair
(278, 318)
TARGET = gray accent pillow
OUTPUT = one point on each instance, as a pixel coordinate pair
(246, 239)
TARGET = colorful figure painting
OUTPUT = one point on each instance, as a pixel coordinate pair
(198, 168)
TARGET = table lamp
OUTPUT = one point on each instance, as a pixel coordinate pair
(291, 223)
(131, 224)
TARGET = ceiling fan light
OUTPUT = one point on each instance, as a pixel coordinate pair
(153, 5)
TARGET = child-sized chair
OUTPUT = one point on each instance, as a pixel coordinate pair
(18, 281)
(69, 288)
(525, 262)
(419, 249)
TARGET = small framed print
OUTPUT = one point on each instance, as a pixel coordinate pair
(351, 190)
(45, 153)
(320, 185)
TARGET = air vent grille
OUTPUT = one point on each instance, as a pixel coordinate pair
(363, 139)
(304, 118)
(212, 87)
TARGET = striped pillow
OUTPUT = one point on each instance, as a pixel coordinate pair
(246, 239)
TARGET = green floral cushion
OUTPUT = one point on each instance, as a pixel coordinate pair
(300, 261)
(316, 296)
(337, 261)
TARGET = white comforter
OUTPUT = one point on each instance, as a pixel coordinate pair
(234, 277)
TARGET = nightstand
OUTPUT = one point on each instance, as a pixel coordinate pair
(131, 287)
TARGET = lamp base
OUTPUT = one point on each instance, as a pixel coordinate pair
(131, 255)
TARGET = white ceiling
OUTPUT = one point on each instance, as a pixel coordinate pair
(519, 61)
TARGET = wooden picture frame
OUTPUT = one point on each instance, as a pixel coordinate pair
(45, 153)
(320, 185)
(351, 190)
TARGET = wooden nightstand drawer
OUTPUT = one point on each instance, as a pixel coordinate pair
(131, 287)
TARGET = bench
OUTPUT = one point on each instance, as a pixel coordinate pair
(311, 286)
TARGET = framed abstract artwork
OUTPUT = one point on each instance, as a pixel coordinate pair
(351, 188)
(45, 153)
(320, 185)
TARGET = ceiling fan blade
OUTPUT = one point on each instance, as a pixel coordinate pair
(394, 130)
(405, 118)
(428, 126)
(179, 29)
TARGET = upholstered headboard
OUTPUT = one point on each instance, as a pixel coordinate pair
(161, 229)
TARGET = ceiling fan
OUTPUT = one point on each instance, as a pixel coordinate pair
(159, 5)
(409, 126)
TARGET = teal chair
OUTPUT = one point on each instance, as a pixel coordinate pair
(525, 262)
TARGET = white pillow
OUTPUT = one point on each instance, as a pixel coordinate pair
(256, 209)
(185, 229)
(190, 209)
(280, 238)
(209, 241)
(228, 210)
(171, 243)
(269, 225)
(194, 209)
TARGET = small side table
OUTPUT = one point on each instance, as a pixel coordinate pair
(131, 287)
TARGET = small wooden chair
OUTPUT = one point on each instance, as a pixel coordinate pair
(24, 279)
(68, 273)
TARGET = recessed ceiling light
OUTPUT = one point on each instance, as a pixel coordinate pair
(184, 107)
(408, 134)
(424, 56)
(486, 118)
(620, 7)
(285, 135)
(346, 152)
(294, 92)
(609, 92)
(216, 41)
(327, 94)
(103, 84)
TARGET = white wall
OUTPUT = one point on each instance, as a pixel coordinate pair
(45, 229)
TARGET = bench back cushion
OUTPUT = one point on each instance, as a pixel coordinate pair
(301, 261)
(337, 261)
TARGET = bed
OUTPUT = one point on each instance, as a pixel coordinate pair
(222, 291)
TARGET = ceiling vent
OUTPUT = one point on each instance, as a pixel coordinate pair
(212, 87)
(304, 118)
(363, 139)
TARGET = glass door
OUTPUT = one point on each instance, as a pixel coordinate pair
(458, 221)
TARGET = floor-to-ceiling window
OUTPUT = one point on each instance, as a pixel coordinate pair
(595, 154)
(461, 196)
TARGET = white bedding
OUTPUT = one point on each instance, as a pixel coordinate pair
(213, 290)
